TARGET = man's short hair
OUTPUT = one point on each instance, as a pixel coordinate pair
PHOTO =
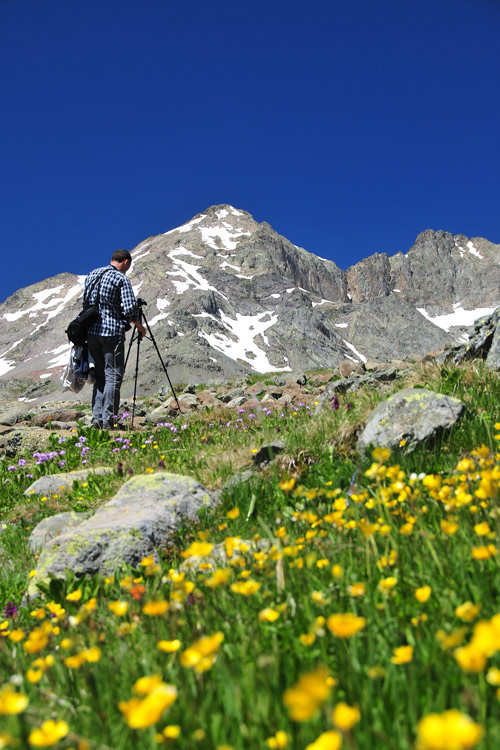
(121, 255)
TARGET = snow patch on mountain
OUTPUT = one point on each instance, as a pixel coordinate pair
(355, 351)
(191, 279)
(225, 233)
(459, 316)
(240, 343)
(52, 307)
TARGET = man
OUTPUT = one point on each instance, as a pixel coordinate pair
(110, 288)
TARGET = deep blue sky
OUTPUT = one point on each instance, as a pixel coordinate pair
(349, 126)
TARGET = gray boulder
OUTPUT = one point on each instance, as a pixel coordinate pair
(139, 519)
(412, 415)
(53, 526)
(53, 482)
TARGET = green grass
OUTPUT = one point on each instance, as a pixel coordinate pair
(325, 519)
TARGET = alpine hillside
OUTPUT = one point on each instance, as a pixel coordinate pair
(227, 295)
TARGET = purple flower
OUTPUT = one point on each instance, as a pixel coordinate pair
(348, 406)
(11, 468)
(251, 416)
(335, 403)
(10, 609)
(161, 464)
(62, 463)
(21, 462)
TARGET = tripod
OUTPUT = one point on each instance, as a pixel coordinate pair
(135, 336)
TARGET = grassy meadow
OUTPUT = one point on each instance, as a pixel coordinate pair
(356, 604)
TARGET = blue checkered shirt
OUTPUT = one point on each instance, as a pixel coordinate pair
(117, 303)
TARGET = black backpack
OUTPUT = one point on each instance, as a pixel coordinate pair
(77, 329)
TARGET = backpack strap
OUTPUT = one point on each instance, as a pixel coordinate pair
(88, 293)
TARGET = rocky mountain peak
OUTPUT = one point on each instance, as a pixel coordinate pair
(227, 295)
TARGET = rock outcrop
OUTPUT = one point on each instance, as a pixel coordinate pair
(135, 523)
(408, 418)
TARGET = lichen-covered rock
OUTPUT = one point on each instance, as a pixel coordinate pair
(53, 526)
(411, 415)
(138, 520)
(50, 483)
(493, 358)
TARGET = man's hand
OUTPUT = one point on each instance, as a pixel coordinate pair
(140, 329)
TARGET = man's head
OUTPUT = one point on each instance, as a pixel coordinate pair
(122, 260)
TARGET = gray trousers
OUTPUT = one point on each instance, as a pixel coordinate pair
(108, 353)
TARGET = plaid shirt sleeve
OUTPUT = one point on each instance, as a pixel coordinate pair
(128, 301)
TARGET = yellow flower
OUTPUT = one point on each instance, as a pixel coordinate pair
(92, 654)
(423, 593)
(268, 615)
(467, 611)
(307, 639)
(482, 529)
(402, 655)
(470, 658)
(450, 640)
(449, 527)
(345, 624)
(307, 696)
(34, 675)
(118, 607)
(142, 713)
(330, 740)
(218, 578)
(16, 635)
(484, 552)
(49, 733)
(233, 513)
(172, 731)
(198, 549)
(169, 647)
(11, 702)
(337, 571)
(357, 589)
(279, 741)
(381, 455)
(386, 584)
(35, 641)
(145, 685)
(75, 596)
(450, 730)
(245, 588)
(201, 655)
(345, 717)
(74, 662)
(287, 484)
(154, 608)
(493, 676)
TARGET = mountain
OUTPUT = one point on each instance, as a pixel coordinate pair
(227, 295)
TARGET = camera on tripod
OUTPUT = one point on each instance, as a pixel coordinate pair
(141, 302)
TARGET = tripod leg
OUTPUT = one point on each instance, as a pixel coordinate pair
(161, 360)
(135, 381)
(134, 333)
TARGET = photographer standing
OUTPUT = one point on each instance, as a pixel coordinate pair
(106, 337)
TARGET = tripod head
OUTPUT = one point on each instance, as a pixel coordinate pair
(141, 302)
